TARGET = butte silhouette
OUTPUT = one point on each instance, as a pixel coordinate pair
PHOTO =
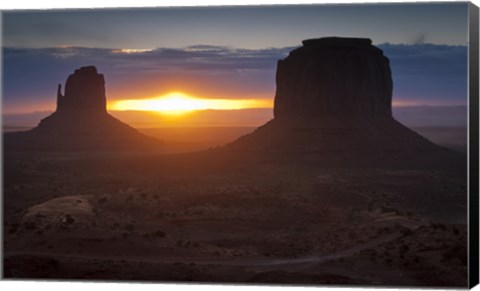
(334, 99)
(81, 121)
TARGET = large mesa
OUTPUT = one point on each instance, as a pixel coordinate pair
(333, 76)
(83, 107)
(81, 121)
(334, 99)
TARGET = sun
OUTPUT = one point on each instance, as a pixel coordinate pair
(173, 103)
(177, 103)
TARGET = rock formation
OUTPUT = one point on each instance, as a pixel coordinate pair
(84, 91)
(333, 98)
(333, 77)
(81, 121)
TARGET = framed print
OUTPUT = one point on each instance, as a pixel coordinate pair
(296, 145)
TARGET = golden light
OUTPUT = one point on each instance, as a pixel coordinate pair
(179, 103)
(130, 51)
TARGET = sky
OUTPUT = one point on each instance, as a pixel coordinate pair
(225, 52)
(253, 27)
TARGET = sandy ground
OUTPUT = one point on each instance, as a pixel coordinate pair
(207, 217)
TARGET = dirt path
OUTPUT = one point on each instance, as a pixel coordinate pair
(341, 254)
(239, 262)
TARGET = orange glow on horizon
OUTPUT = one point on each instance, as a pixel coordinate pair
(177, 103)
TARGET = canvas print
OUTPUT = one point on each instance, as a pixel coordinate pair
(298, 144)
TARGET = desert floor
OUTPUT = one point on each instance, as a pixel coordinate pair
(220, 217)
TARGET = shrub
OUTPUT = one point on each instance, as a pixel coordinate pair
(30, 225)
(159, 234)
(69, 219)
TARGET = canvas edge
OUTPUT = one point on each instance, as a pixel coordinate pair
(2, 213)
(473, 75)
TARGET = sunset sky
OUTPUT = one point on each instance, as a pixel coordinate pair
(224, 53)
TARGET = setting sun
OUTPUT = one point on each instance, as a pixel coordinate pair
(178, 103)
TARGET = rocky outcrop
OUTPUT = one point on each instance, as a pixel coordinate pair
(84, 91)
(333, 77)
(81, 121)
(333, 100)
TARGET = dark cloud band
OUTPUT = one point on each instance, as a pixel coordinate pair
(424, 72)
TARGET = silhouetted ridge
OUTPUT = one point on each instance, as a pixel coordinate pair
(81, 120)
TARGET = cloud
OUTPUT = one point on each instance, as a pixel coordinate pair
(432, 115)
(424, 72)
(32, 74)
(427, 58)
(419, 39)
(429, 73)
(199, 57)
